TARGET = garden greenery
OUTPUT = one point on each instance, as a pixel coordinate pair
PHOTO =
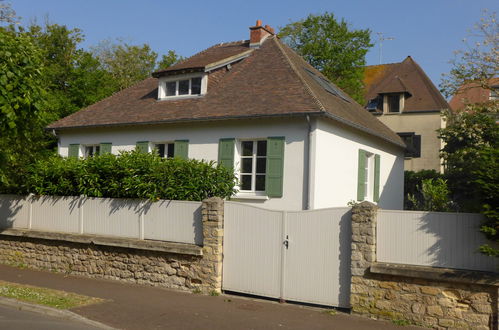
(130, 175)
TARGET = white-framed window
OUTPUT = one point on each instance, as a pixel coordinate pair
(189, 85)
(252, 165)
(91, 150)
(165, 149)
(494, 93)
(393, 102)
(369, 177)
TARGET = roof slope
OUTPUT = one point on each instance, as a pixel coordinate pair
(471, 93)
(272, 81)
(406, 76)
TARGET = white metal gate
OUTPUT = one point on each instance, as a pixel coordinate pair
(293, 255)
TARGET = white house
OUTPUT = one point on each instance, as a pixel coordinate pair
(294, 139)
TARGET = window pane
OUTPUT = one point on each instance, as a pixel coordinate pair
(170, 88)
(161, 149)
(393, 103)
(245, 182)
(247, 147)
(183, 87)
(97, 150)
(196, 86)
(89, 151)
(260, 165)
(246, 165)
(171, 150)
(261, 148)
(260, 183)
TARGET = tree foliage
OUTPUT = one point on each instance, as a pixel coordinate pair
(23, 112)
(169, 59)
(130, 175)
(332, 47)
(431, 195)
(127, 64)
(413, 181)
(475, 65)
(7, 14)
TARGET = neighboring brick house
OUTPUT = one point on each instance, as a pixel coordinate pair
(403, 97)
(471, 93)
(293, 138)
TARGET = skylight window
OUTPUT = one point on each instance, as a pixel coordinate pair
(327, 85)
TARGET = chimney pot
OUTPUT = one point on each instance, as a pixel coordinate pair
(258, 22)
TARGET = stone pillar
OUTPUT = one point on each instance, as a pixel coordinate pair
(363, 237)
(211, 264)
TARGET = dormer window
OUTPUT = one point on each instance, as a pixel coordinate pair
(182, 86)
(393, 102)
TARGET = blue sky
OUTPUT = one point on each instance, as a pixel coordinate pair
(428, 30)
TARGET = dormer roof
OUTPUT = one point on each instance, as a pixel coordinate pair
(404, 77)
(271, 81)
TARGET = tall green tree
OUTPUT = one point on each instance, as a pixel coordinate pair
(332, 47)
(169, 59)
(127, 64)
(23, 114)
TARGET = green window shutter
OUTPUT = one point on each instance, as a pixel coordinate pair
(275, 166)
(105, 148)
(74, 151)
(181, 149)
(376, 177)
(226, 152)
(361, 176)
(143, 146)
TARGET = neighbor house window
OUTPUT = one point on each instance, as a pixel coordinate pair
(183, 87)
(91, 150)
(165, 150)
(253, 164)
(413, 143)
(393, 103)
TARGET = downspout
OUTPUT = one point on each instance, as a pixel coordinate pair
(309, 164)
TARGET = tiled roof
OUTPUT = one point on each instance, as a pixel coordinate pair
(406, 76)
(272, 81)
(471, 93)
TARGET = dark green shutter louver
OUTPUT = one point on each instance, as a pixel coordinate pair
(275, 166)
(74, 151)
(226, 152)
(143, 147)
(181, 149)
(361, 176)
(376, 177)
(105, 148)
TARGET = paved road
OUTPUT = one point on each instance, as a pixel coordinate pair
(141, 307)
(13, 319)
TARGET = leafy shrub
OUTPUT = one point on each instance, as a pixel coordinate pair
(413, 180)
(434, 196)
(130, 175)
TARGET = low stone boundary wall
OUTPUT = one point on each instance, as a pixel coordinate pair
(427, 296)
(172, 265)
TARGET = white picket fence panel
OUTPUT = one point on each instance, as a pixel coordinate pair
(174, 221)
(314, 268)
(438, 239)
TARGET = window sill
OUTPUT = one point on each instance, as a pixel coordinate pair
(180, 97)
(250, 195)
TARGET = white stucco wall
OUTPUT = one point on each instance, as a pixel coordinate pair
(203, 144)
(336, 165)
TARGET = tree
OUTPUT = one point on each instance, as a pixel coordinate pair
(127, 64)
(73, 77)
(479, 62)
(333, 48)
(169, 59)
(23, 114)
(471, 158)
(7, 14)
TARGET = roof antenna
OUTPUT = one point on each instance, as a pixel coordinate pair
(382, 38)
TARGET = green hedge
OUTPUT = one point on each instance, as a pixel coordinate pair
(130, 175)
(413, 180)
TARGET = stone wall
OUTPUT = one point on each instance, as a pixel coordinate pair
(185, 267)
(426, 296)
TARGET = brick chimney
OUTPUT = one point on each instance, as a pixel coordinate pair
(259, 33)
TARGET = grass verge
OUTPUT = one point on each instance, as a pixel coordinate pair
(47, 297)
